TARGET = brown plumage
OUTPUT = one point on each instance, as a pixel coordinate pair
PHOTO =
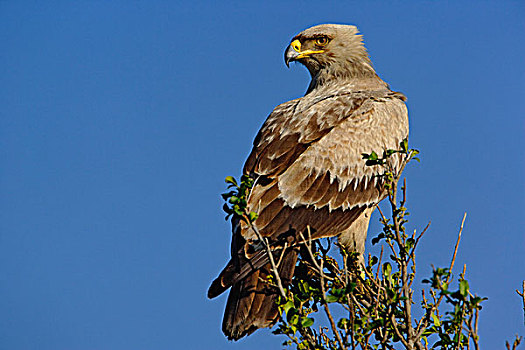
(308, 169)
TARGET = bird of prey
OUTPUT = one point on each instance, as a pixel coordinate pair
(308, 170)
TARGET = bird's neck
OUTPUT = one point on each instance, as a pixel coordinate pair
(362, 76)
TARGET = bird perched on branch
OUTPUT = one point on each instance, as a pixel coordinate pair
(308, 171)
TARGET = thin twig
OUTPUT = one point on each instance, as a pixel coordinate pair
(325, 304)
(456, 248)
(282, 254)
(421, 327)
(332, 324)
(398, 333)
(379, 262)
(522, 295)
(309, 247)
(475, 335)
(363, 311)
(270, 257)
(308, 244)
(420, 235)
(402, 262)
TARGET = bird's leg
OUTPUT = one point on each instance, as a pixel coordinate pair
(352, 240)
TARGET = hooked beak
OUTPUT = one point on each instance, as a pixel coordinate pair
(293, 52)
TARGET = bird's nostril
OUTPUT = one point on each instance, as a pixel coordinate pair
(296, 45)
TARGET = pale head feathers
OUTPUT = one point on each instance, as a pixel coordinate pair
(344, 57)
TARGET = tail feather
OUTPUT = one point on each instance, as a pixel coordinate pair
(252, 302)
(232, 274)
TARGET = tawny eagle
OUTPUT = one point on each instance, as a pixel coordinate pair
(308, 170)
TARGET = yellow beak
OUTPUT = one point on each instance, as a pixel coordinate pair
(293, 52)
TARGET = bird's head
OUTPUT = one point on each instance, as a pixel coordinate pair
(334, 50)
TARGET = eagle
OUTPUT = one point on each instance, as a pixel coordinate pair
(308, 170)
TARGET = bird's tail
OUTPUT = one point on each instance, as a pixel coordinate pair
(252, 301)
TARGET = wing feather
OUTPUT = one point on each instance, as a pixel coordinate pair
(310, 150)
(317, 190)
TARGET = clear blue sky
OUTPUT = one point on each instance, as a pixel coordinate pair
(119, 121)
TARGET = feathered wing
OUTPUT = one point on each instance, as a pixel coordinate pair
(308, 169)
(308, 160)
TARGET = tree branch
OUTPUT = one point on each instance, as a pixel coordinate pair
(275, 271)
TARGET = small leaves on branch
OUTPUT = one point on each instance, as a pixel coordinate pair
(236, 198)
(372, 304)
(373, 159)
(236, 206)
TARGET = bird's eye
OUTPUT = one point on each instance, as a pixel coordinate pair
(321, 41)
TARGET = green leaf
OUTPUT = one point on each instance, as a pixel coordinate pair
(373, 260)
(376, 240)
(387, 269)
(294, 320)
(463, 287)
(307, 322)
(226, 208)
(437, 323)
(230, 180)
(227, 195)
(404, 145)
(477, 300)
(290, 314)
(343, 323)
(337, 291)
(253, 216)
(350, 287)
(238, 210)
(331, 298)
(289, 304)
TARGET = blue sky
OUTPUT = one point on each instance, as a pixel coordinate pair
(120, 120)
